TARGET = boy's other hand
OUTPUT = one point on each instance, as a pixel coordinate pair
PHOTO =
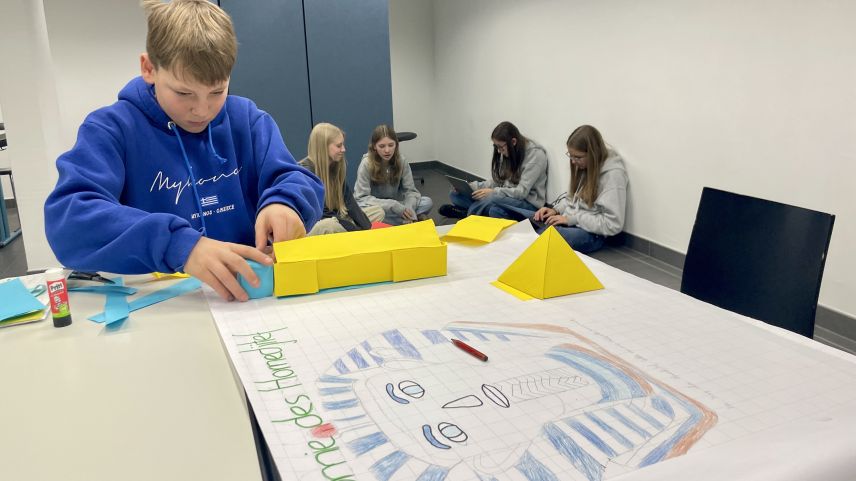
(278, 222)
(543, 213)
(216, 263)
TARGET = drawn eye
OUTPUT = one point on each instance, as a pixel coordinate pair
(412, 389)
(495, 395)
(391, 392)
(452, 432)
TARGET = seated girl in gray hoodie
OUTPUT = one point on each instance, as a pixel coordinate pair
(599, 185)
(384, 179)
(518, 178)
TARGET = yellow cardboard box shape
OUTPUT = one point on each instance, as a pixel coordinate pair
(402, 253)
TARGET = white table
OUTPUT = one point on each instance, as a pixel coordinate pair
(154, 399)
(157, 399)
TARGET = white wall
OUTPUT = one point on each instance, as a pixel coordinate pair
(62, 60)
(755, 97)
(411, 33)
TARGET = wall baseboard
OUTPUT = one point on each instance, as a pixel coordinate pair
(833, 327)
(444, 168)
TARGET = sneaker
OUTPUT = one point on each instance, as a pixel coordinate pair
(452, 211)
(421, 217)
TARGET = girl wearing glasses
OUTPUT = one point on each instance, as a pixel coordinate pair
(518, 178)
(326, 159)
(384, 180)
(599, 186)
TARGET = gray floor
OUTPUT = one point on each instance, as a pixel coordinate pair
(13, 261)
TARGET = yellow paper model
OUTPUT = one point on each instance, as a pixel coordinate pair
(402, 253)
(478, 228)
(547, 268)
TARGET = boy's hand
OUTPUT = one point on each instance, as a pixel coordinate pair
(543, 213)
(278, 222)
(216, 263)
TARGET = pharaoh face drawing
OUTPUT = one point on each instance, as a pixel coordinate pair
(548, 401)
(455, 411)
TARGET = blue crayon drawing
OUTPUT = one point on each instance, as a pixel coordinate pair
(551, 404)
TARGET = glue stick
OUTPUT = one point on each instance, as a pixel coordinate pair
(58, 293)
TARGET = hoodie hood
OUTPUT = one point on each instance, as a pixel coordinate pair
(613, 162)
(142, 95)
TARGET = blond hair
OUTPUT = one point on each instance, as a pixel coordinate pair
(192, 38)
(332, 174)
(584, 182)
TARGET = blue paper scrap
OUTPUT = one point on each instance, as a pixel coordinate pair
(174, 290)
(16, 300)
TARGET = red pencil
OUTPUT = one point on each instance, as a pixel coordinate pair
(470, 350)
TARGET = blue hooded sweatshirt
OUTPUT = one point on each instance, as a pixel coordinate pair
(130, 191)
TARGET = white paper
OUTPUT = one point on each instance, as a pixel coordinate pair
(635, 381)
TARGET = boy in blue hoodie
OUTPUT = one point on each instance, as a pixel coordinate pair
(178, 175)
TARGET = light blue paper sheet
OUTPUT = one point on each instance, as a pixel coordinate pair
(174, 290)
(16, 300)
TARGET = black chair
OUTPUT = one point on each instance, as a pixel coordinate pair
(758, 258)
(404, 137)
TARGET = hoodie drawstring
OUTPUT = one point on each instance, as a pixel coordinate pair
(214, 151)
(172, 127)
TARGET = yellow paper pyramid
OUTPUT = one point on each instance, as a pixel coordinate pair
(548, 268)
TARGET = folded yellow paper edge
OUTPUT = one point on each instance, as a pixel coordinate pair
(514, 292)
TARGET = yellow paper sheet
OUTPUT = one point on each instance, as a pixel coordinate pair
(31, 317)
(478, 228)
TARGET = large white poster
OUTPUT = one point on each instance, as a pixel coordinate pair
(366, 383)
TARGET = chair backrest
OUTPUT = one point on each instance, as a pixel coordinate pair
(758, 258)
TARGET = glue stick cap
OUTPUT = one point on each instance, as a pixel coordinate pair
(54, 274)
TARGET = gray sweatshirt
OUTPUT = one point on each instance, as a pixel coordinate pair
(606, 216)
(533, 179)
(393, 198)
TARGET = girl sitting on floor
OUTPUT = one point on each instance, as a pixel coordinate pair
(599, 182)
(518, 178)
(385, 180)
(326, 159)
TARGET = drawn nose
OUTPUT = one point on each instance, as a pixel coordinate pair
(470, 401)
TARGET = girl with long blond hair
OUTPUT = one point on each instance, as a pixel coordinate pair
(597, 196)
(326, 159)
